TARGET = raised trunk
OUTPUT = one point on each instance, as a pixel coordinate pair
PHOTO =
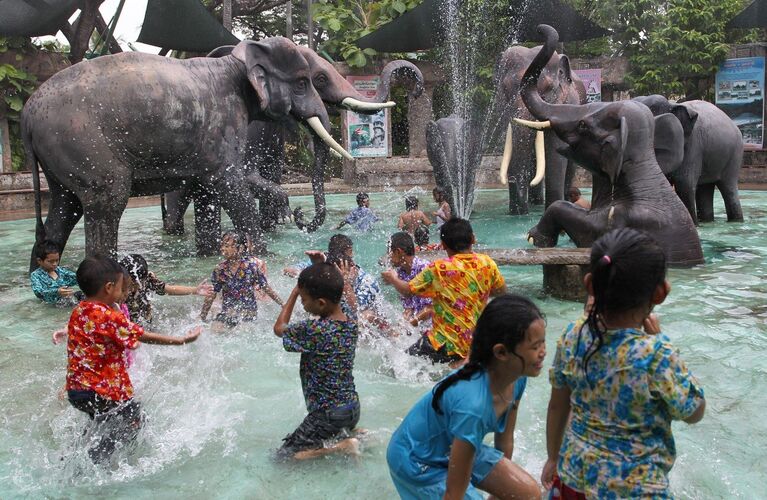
(529, 86)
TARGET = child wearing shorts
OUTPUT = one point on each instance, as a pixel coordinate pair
(327, 344)
(97, 337)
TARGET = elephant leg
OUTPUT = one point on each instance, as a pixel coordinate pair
(536, 195)
(273, 201)
(64, 212)
(207, 222)
(102, 220)
(729, 189)
(582, 226)
(240, 205)
(685, 189)
(176, 204)
(704, 200)
(518, 204)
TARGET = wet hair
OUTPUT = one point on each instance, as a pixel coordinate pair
(239, 239)
(421, 235)
(337, 247)
(402, 241)
(626, 267)
(573, 192)
(439, 193)
(44, 248)
(457, 234)
(95, 272)
(361, 197)
(136, 266)
(505, 321)
(322, 281)
(411, 203)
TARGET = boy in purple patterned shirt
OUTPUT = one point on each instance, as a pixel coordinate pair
(327, 344)
(403, 258)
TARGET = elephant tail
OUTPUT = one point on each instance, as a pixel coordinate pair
(32, 165)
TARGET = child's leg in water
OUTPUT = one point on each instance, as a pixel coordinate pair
(348, 446)
(321, 426)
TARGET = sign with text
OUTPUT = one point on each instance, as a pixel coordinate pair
(367, 135)
(592, 80)
(740, 94)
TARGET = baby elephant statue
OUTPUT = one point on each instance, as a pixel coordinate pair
(713, 155)
(139, 124)
(616, 142)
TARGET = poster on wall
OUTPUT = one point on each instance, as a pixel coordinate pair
(592, 80)
(740, 94)
(367, 135)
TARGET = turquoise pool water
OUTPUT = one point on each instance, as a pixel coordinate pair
(217, 408)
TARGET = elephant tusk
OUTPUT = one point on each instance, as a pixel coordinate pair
(535, 125)
(540, 159)
(531, 240)
(506, 157)
(336, 153)
(355, 104)
(316, 125)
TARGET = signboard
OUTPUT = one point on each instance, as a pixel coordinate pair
(740, 94)
(367, 135)
(592, 80)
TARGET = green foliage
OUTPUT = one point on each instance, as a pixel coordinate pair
(15, 86)
(345, 21)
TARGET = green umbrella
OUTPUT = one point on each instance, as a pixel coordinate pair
(183, 25)
(753, 16)
(424, 26)
(34, 17)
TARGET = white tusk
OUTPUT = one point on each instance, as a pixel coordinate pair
(316, 125)
(506, 157)
(336, 153)
(535, 125)
(540, 159)
(355, 104)
(530, 240)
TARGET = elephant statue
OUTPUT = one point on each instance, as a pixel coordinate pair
(139, 124)
(615, 141)
(453, 147)
(529, 156)
(713, 155)
(265, 151)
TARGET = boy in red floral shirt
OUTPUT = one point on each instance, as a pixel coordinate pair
(98, 335)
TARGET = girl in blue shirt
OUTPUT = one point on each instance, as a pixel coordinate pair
(438, 451)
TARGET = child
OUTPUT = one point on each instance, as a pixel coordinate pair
(574, 195)
(438, 451)
(237, 278)
(362, 218)
(443, 207)
(51, 283)
(421, 237)
(459, 287)
(97, 337)
(402, 257)
(412, 218)
(615, 387)
(145, 281)
(327, 345)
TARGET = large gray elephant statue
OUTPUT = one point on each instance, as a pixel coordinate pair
(265, 153)
(521, 165)
(139, 124)
(453, 147)
(713, 155)
(615, 141)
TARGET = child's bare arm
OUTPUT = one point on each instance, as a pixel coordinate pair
(158, 338)
(271, 293)
(556, 420)
(349, 272)
(425, 313)
(287, 311)
(204, 289)
(402, 286)
(206, 306)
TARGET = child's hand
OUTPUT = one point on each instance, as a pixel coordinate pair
(316, 256)
(414, 321)
(192, 335)
(389, 276)
(348, 270)
(547, 476)
(651, 324)
(204, 289)
(59, 336)
(65, 291)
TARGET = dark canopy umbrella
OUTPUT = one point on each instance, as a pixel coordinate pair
(183, 25)
(34, 17)
(424, 26)
(753, 16)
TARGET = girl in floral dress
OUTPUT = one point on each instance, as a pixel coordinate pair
(617, 382)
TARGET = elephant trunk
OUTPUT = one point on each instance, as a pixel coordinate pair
(529, 86)
(393, 71)
(321, 151)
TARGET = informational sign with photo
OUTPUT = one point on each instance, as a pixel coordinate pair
(592, 80)
(740, 94)
(367, 135)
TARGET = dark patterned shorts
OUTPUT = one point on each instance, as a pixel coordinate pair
(321, 426)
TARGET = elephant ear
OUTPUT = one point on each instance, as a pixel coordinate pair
(669, 142)
(222, 51)
(613, 148)
(255, 56)
(686, 116)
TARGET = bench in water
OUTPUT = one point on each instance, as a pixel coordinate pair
(563, 268)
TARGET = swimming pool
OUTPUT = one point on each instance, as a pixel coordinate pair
(217, 408)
